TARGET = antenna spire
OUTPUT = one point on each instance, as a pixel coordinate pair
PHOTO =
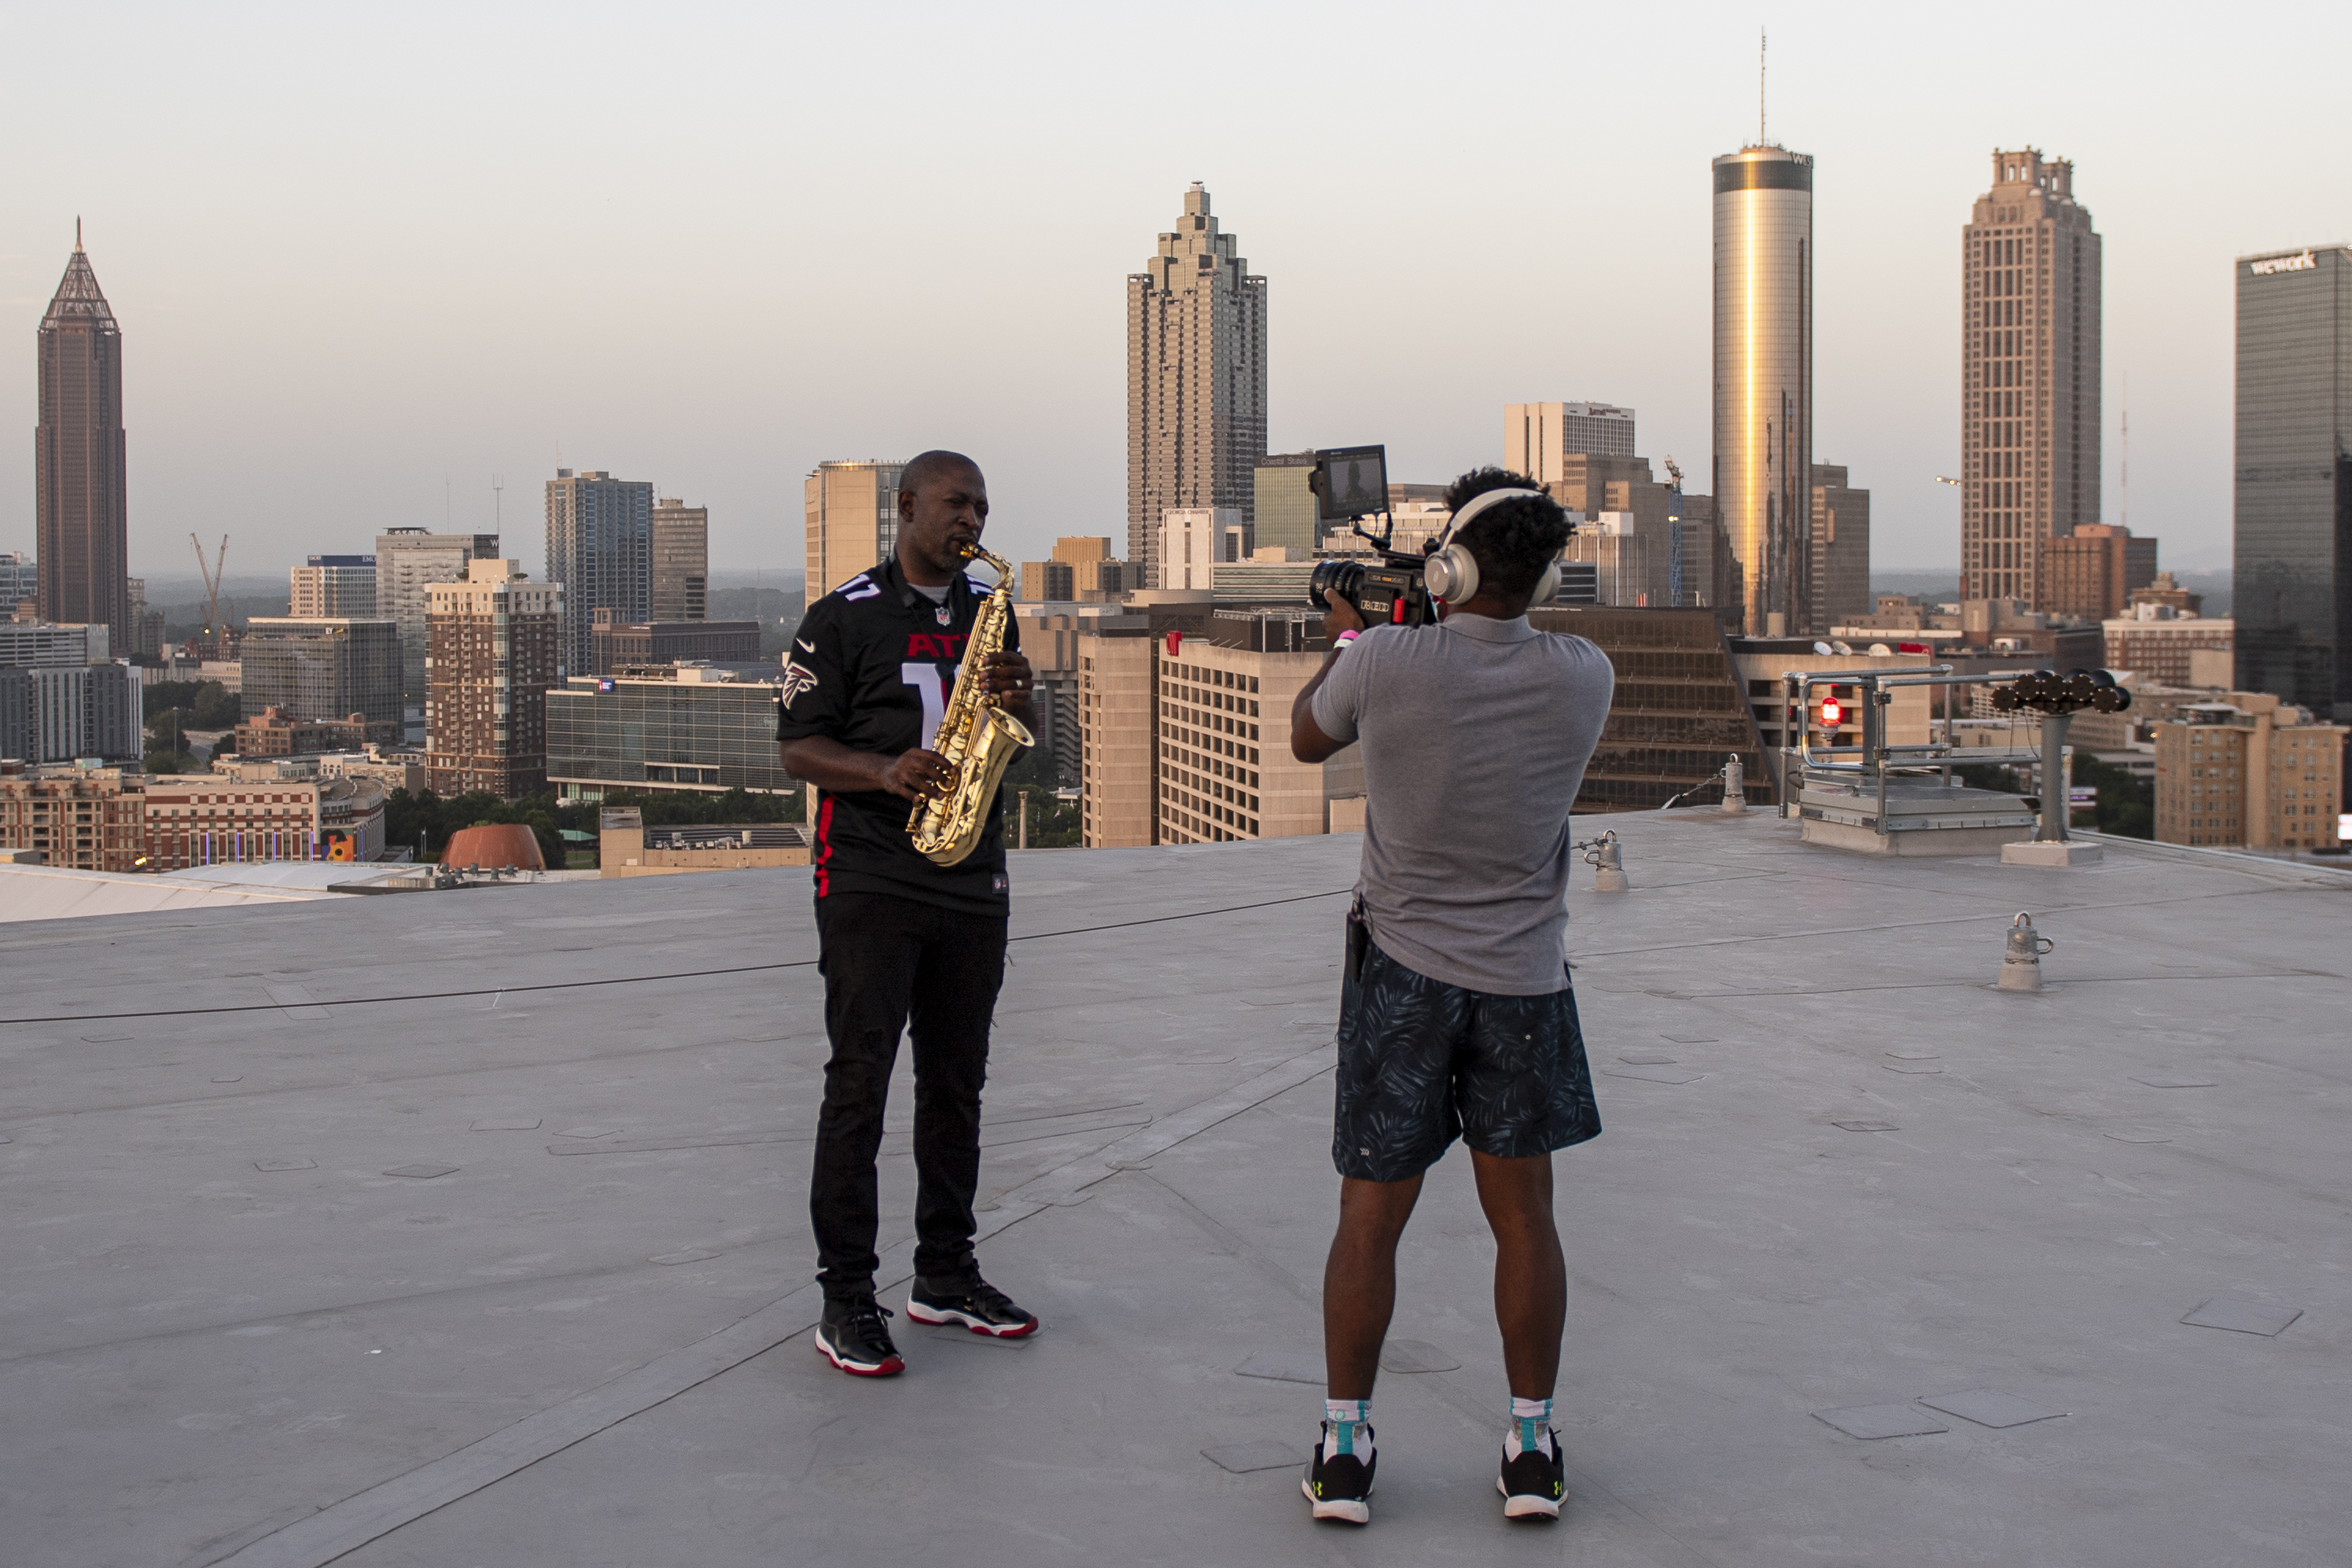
(77, 234)
(1761, 43)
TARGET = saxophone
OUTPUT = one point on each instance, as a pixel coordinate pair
(978, 739)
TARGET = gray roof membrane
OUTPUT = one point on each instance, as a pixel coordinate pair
(240, 1323)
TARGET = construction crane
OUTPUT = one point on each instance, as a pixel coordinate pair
(217, 633)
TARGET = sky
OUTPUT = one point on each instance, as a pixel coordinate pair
(371, 262)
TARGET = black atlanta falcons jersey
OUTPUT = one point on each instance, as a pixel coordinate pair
(872, 667)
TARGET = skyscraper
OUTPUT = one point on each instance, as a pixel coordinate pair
(79, 511)
(1195, 380)
(1841, 550)
(1764, 377)
(2292, 557)
(407, 562)
(1537, 437)
(600, 552)
(681, 546)
(851, 521)
(334, 585)
(2029, 375)
(494, 640)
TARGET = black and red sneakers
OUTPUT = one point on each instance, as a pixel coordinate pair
(974, 1304)
(852, 1337)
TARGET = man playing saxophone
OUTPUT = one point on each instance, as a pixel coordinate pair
(906, 943)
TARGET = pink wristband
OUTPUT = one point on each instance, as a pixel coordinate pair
(1344, 638)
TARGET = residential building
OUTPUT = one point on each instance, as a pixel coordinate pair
(612, 645)
(627, 847)
(2250, 771)
(1278, 576)
(1539, 437)
(2156, 645)
(408, 561)
(2030, 357)
(1047, 583)
(335, 586)
(20, 581)
(1187, 739)
(260, 812)
(2165, 589)
(1118, 673)
(1195, 380)
(851, 521)
(600, 552)
(28, 644)
(64, 712)
(496, 642)
(1051, 636)
(1284, 514)
(274, 733)
(1764, 378)
(86, 820)
(146, 624)
(690, 728)
(1629, 555)
(325, 666)
(2292, 516)
(1095, 575)
(81, 519)
(393, 770)
(2093, 572)
(1840, 547)
(1188, 544)
(681, 553)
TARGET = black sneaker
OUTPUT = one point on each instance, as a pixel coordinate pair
(976, 1305)
(1340, 1486)
(1533, 1484)
(854, 1338)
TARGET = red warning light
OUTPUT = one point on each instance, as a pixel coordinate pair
(1832, 713)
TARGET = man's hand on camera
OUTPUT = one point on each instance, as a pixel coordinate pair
(1342, 616)
(916, 774)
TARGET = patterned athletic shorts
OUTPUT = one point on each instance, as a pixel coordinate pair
(1422, 1062)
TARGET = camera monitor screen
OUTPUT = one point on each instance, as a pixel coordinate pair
(1351, 481)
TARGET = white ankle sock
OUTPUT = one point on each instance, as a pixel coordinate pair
(1345, 1429)
(1531, 1428)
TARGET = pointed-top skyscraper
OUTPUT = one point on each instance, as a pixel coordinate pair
(1195, 380)
(77, 458)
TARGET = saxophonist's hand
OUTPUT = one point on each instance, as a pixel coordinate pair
(1009, 676)
(916, 774)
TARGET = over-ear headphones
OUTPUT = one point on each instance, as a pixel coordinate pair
(1450, 573)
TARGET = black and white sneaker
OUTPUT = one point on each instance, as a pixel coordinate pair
(1340, 1486)
(976, 1305)
(854, 1338)
(1533, 1484)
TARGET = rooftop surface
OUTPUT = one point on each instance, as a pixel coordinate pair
(471, 1228)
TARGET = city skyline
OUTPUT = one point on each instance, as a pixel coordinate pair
(1604, 298)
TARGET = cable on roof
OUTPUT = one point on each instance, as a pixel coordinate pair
(632, 979)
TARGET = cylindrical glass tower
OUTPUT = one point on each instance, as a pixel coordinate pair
(1764, 377)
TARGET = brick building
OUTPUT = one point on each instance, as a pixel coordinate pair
(495, 641)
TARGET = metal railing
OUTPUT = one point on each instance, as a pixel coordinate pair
(1875, 757)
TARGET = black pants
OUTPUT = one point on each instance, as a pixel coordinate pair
(891, 964)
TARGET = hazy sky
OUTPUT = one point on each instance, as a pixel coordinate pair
(359, 254)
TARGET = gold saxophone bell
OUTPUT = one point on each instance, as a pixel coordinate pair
(977, 739)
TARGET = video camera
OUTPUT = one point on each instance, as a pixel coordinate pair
(1352, 483)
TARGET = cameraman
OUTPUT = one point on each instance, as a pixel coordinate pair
(1456, 1015)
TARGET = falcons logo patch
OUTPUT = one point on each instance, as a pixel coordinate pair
(798, 681)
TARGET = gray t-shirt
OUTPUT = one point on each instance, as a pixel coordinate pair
(1474, 735)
